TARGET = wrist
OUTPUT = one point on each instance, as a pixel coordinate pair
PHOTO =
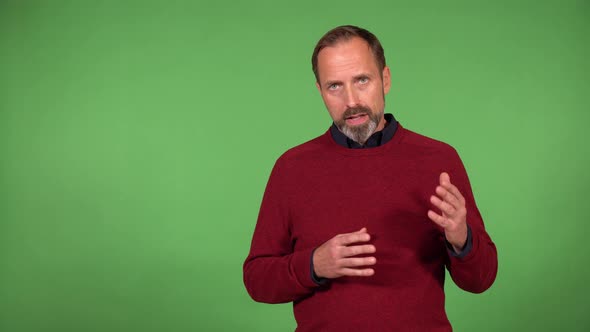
(314, 276)
(458, 241)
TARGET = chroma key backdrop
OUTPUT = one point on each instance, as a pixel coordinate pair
(136, 139)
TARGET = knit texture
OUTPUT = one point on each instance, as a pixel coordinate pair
(320, 189)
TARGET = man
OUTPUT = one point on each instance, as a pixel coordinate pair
(357, 226)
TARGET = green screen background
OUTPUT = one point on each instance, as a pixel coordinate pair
(136, 139)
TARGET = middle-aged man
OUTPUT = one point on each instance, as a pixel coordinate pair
(357, 226)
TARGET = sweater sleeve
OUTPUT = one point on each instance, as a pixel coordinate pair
(273, 271)
(476, 271)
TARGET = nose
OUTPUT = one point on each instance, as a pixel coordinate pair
(352, 99)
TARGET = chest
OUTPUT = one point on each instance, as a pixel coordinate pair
(391, 199)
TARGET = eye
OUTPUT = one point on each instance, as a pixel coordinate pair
(363, 80)
(333, 86)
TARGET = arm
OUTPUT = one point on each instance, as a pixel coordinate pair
(273, 271)
(476, 270)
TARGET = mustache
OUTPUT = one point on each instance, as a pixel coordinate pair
(356, 110)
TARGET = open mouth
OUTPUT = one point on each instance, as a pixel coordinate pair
(356, 119)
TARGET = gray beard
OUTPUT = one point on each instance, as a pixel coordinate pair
(360, 133)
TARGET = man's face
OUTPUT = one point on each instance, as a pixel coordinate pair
(352, 88)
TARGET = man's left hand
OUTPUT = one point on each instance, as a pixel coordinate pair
(451, 203)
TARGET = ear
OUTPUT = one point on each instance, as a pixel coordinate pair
(386, 80)
(317, 85)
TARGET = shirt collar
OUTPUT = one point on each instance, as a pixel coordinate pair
(377, 139)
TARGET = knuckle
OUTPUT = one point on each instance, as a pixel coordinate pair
(333, 252)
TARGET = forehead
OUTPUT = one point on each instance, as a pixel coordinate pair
(349, 56)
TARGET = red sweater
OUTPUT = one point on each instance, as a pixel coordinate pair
(320, 189)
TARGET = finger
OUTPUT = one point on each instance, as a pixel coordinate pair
(452, 190)
(350, 238)
(458, 202)
(358, 250)
(455, 191)
(444, 178)
(445, 182)
(443, 205)
(357, 261)
(357, 272)
(438, 219)
(361, 231)
(448, 197)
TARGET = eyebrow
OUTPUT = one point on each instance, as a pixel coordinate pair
(362, 75)
(328, 83)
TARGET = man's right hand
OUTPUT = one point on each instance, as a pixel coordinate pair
(334, 258)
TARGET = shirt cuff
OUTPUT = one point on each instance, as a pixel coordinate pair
(466, 249)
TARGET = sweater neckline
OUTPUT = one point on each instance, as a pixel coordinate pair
(395, 140)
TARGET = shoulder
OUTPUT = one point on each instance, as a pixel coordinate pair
(299, 158)
(309, 150)
(422, 143)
